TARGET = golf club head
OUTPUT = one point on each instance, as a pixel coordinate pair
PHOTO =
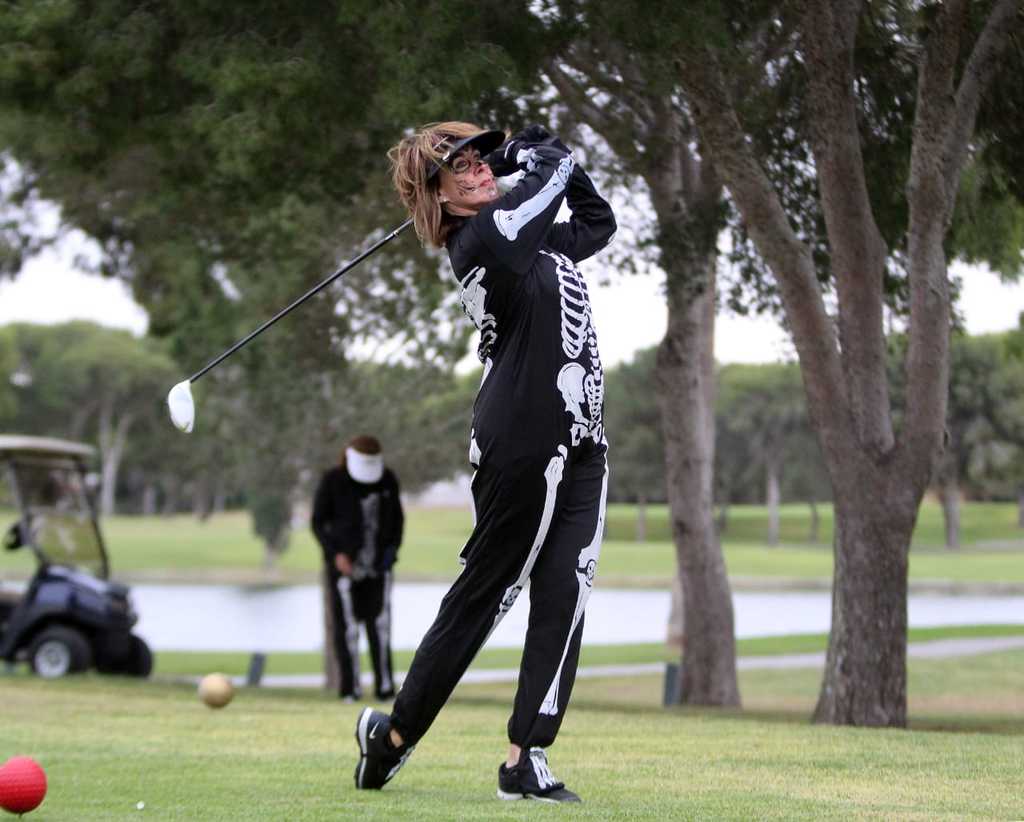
(182, 408)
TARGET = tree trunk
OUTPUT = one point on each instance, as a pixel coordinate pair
(202, 497)
(113, 438)
(172, 493)
(878, 481)
(1020, 507)
(950, 493)
(773, 498)
(641, 519)
(219, 496)
(686, 194)
(815, 522)
(332, 675)
(865, 683)
(676, 634)
(149, 500)
(684, 375)
(722, 520)
(271, 554)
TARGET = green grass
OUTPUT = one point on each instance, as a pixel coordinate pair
(983, 524)
(107, 744)
(188, 663)
(225, 549)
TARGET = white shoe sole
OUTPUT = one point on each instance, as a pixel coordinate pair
(512, 797)
(361, 726)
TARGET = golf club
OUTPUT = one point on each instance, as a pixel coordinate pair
(179, 398)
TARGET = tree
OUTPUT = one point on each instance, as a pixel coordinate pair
(610, 76)
(878, 473)
(765, 408)
(90, 382)
(156, 161)
(226, 157)
(639, 451)
(986, 388)
(10, 378)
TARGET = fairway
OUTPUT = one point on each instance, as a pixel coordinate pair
(107, 744)
(224, 549)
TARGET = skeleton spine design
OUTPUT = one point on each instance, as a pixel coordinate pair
(593, 385)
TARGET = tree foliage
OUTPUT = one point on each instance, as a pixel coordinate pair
(953, 51)
(639, 474)
(226, 157)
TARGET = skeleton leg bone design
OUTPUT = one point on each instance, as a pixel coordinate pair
(586, 567)
(351, 630)
(552, 478)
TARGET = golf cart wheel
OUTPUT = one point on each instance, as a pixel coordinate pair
(58, 651)
(139, 661)
(123, 654)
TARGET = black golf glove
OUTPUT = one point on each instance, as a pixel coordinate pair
(505, 160)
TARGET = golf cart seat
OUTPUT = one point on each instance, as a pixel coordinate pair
(9, 599)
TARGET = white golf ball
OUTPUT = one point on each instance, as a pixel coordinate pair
(140, 805)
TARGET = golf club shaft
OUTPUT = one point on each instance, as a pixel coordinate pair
(316, 289)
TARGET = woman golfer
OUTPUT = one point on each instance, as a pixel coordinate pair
(537, 442)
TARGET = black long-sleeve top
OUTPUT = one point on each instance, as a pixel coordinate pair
(519, 283)
(337, 519)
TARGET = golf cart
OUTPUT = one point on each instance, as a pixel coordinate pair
(69, 618)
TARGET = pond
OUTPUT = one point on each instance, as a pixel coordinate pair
(289, 618)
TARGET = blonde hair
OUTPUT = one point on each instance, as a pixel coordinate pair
(411, 162)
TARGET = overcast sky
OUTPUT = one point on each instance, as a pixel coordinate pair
(629, 314)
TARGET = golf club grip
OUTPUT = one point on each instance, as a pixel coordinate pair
(314, 290)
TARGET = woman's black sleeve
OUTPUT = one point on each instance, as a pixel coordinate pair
(516, 227)
(592, 224)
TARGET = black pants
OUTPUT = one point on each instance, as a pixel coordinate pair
(367, 601)
(538, 520)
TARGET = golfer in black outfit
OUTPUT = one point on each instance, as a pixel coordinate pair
(537, 443)
(358, 521)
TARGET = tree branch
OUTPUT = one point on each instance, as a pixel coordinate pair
(721, 131)
(978, 75)
(616, 128)
(858, 252)
(943, 126)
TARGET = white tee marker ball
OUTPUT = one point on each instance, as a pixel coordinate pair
(183, 410)
(216, 690)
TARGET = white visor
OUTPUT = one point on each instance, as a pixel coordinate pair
(365, 468)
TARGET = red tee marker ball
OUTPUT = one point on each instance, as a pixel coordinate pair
(22, 784)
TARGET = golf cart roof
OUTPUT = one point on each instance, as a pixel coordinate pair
(13, 445)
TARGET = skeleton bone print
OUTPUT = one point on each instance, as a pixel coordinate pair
(474, 298)
(576, 384)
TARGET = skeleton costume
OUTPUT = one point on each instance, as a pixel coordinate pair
(357, 512)
(537, 446)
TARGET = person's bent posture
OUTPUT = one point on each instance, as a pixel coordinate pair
(358, 521)
(537, 441)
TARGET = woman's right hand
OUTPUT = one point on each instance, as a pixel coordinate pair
(505, 160)
(343, 564)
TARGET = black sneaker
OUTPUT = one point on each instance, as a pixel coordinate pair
(379, 759)
(532, 779)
